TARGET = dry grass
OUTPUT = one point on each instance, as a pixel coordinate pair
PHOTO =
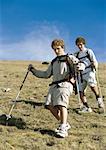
(32, 126)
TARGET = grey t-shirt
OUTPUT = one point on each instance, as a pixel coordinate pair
(82, 56)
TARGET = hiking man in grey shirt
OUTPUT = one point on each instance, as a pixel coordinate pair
(62, 70)
(88, 76)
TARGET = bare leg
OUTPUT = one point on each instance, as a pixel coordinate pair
(98, 97)
(63, 114)
(55, 111)
(95, 91)
(62, 131)
(83, 99)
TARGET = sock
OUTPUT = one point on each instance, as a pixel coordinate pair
(86, 104)
(63, 125)
(97, 96)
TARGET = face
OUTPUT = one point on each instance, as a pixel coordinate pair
(59, 50)
(81, 46)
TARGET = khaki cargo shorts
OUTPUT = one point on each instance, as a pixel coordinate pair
(59, 94)
(88, 79)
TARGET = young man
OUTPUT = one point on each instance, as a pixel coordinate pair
(61, 68)
(88, 76)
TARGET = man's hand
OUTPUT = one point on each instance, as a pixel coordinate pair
(72, 80)
(81, 66)
(30, 67)
(94, 65)
(73, 59)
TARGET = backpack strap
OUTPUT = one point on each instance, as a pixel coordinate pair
(77, 54)
(88, 56)
(53, 60)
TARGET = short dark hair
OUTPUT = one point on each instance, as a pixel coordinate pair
(79, 40)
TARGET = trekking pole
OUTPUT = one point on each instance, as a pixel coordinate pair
(14, 103)
(77, 86)
(99, 88)
(98, 83)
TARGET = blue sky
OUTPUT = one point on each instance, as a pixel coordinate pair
(27, 27)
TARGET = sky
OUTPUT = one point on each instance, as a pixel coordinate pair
(27, 27)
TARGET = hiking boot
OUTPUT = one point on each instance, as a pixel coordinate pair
(100, 102)
(85, 110)
(62, 133)
(59, 128)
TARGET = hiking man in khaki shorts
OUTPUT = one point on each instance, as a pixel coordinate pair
(88, 76)
(61, 69)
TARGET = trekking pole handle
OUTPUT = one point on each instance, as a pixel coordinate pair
(24, 80)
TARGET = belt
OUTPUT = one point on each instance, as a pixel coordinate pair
(60, 81)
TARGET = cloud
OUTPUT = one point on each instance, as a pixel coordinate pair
(35, 44)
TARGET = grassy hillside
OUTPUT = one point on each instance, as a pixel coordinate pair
(32, 127)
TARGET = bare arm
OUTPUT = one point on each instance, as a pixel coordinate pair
(93, 59)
